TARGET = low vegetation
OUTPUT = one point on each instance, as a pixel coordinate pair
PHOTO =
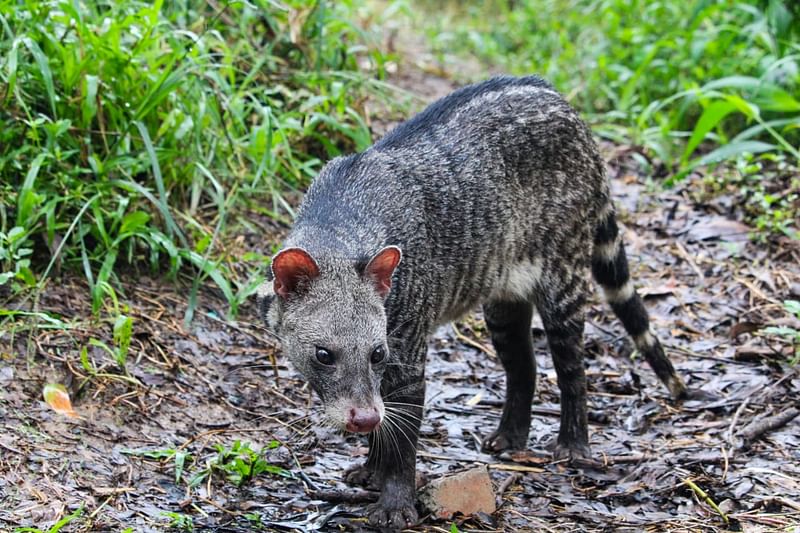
(133, 134)
(690, 83)
(161, 137)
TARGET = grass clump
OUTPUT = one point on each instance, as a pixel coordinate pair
(788, 333)
(767, 187)
(135, 133)
(178, 521)
(666, 75)
(238, 463)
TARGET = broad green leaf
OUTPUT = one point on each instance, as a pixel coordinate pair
(133, 221)
(26, 275)
(765, 94)
(731, 150)
(11, 67)
(210, 269)
(783, 331)
(759, 128)
(711, 117)
(15, 233)
(106, 270)
(66, 520)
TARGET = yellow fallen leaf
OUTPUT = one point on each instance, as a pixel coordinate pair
(57, 397)
(475, 399)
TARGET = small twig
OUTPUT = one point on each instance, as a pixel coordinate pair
(726, 463)
(272, 358)
(218, 431)
(11, 449)
(507, 482)
(475, 344)
(688, 258)
(775, 522)
(755, 290)
(94, 513)
(757, 428)
(302, 473)
(729, 435)
(607, 461)
(516, 468)
(428, 455)
(345, 496)
(212, 503)
(692, 353)
(735, 420)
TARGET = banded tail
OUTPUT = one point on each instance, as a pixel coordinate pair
(610, 270)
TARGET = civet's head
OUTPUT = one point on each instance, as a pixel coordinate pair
(329, 316)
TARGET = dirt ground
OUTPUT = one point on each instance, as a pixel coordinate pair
(710, 288)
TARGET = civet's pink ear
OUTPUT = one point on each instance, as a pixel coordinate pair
(381, 267)
(290, 267)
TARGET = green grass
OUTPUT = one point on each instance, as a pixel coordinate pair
(55, 528)
(693, 83)
(178, 521)
(788, 333)
(237, 463)
(759, 184)
(135, 135)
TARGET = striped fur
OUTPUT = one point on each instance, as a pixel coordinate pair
(610, 270)
(497, 196)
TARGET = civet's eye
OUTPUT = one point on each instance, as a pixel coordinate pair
(324, 356)
(378, 355)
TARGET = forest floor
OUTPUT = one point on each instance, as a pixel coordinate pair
(129, 459)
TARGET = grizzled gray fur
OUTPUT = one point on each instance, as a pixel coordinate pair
(494, 195)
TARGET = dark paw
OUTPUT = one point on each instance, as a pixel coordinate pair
(677, 389)
(572, 453)
(500, 441)
(392, 515)
(361, 476)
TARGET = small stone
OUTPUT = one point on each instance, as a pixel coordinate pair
(468, 492)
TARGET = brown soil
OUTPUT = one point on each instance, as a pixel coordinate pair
(711, 291)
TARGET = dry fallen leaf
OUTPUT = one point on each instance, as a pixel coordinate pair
(57, 397)
(719, 228)
(745, 326)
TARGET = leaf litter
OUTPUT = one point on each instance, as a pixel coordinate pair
(165, 443)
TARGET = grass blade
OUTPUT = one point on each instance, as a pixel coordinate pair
(27, 199)
(730, 150)
(711, 117)
(44, 71)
